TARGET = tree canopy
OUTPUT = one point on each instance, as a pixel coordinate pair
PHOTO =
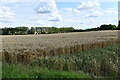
(22, 30)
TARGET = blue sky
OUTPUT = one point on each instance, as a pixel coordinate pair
(80, 15)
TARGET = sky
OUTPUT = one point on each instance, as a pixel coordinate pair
(80, 14)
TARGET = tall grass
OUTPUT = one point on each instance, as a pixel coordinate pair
(27, 55)
(102, 62)
(23, 71)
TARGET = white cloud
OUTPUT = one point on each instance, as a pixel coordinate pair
(68, 9)
(55, 20)
(94, 13)
(115, 20)
(89, 5)
(6, 15)
(5, 12)
(111, 11)
(89, 9)
(49, 8)
(99, 12)
(92, 21)
(13, 1)
(46, 7)
(57, 0)
(48, 15)
(42, 22)
(9, 1)
(45, 23)
(56, 15)
(72, 10)
(76, 20)
(7, 20)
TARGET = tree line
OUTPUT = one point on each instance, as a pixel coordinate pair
(22, 30)
(102, 27)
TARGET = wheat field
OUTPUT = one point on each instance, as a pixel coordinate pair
(25, 48)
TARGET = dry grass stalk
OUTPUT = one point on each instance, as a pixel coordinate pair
(30, 55)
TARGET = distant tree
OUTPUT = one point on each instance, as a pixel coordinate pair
(21, 30)
(117, 28)
(107, 27)
(7, 31)
(0, 31)
(119, 23)
(32, 30)
(66, 29)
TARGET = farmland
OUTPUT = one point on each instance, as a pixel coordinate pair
(30, 47)
(80, 51)
(96, 63)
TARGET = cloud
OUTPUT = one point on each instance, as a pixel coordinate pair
(89, 5)
(55, 20)
(41, 22)
(90, 9)
(6, 15)
(115, 20)
(44, 23)
(5, 12)
(111, 11)
(71, 10)
(49, 8)
(12, 1)
(82, 23)
(97, 13)
(57, 0)
(56, 16)
(7, 20)
(4, 21)
(94, 13)
(46, 7)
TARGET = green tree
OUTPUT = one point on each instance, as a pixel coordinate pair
(32, 30)
(119, 23)
(107, 27)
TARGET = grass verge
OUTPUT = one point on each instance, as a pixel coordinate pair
(103, 62)
(22, 71)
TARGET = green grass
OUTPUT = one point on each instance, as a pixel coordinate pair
(0, 70)
(22, 71)
(103, 62)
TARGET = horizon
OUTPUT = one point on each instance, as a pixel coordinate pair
(79, 15)
(55, 27)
